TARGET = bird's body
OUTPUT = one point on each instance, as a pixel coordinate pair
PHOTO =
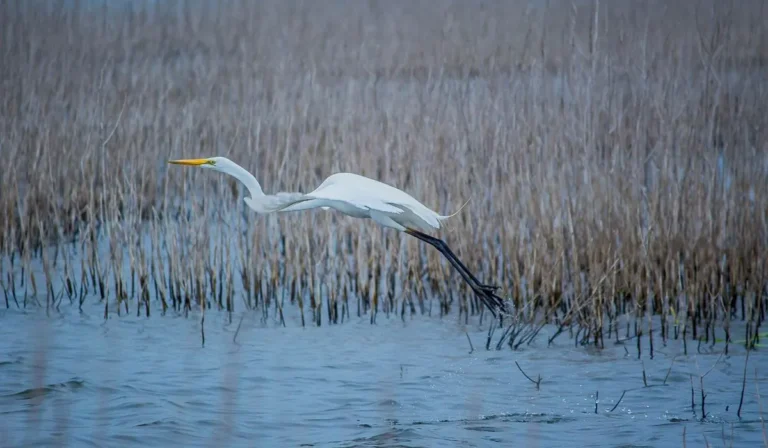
(362, 197)
(359, 197)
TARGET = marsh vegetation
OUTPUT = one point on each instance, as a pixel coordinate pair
(614, 154)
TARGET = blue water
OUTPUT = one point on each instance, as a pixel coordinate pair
(72, 379)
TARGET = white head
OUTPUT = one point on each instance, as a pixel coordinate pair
(217, 163)
(226, 166)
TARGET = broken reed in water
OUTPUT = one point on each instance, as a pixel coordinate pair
(615, 157)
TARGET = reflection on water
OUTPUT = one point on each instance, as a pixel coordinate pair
(74, 379)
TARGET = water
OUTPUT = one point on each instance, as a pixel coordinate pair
(73, 379)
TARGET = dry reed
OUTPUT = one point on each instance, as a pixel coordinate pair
(615, 154)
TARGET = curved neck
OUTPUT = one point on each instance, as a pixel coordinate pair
(247, 179)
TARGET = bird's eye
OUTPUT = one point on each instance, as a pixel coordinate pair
(211, 162)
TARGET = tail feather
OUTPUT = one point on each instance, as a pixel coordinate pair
(443, 217)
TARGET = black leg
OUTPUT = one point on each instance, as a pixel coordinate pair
(448, 252)
(445, 250)
(484, 292)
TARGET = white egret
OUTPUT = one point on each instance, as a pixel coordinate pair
(359, 197)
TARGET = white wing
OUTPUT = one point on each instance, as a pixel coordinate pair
(357, 198)
(367, 194)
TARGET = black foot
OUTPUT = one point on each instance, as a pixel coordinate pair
(489, 288)
(491, 300)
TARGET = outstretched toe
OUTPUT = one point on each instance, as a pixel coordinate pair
(492, 301)
(490, 288)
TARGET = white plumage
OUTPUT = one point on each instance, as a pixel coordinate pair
(363, 197)
(360, 197)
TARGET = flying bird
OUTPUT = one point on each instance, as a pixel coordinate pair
(359, 197)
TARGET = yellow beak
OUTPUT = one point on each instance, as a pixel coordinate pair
(191, 162)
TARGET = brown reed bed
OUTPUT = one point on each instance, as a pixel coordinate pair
(615, 155)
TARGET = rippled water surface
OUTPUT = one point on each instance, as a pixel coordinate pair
(74, 379)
